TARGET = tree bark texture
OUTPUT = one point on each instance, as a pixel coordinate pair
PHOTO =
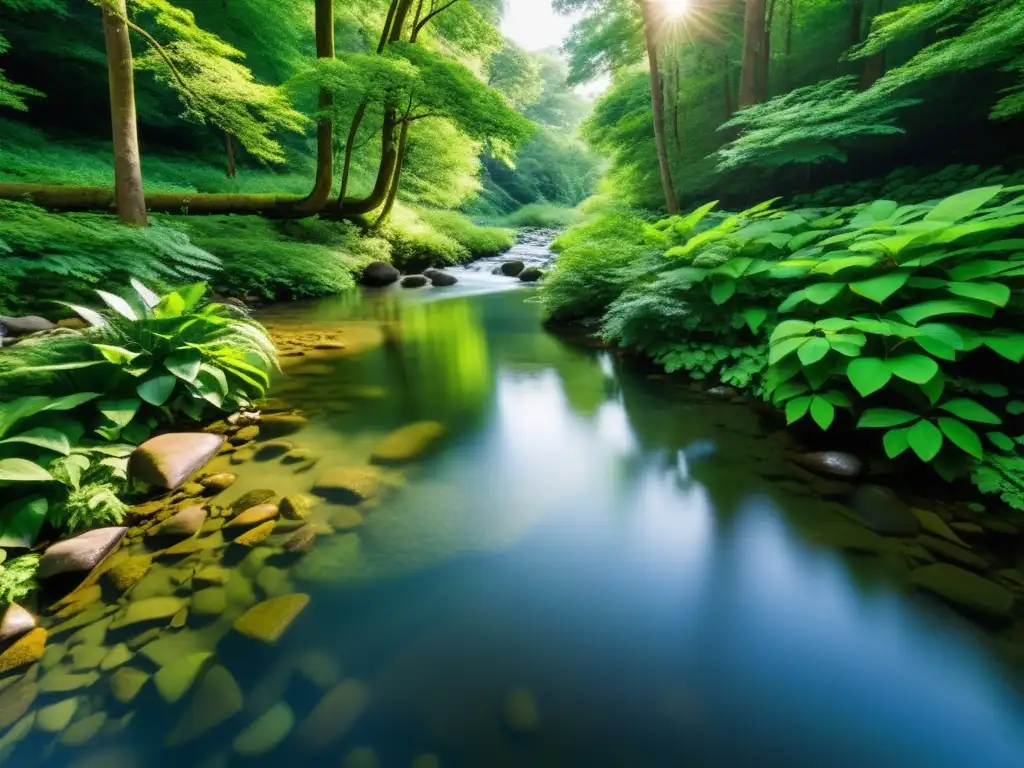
(658, 109)
(753, 43)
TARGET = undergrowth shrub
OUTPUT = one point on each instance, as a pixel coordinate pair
(416, 244)
(478, 240)
(543, 216)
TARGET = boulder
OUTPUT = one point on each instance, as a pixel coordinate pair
(183, 524)
(54, 718)
(245, 435)
(348, 485)
(346, 519)
(126, 682)
(218, 699)
(377, 274)
(333, 716)
(414, 281)
(406, 443)
(169, 460)
(883, 511)
(129, 572)
(16, 622)
(81, 553)
(946, 550)
(531, 275)
(253, 516)
(268, 620)
(439, 278)
(273, 449)
(212, 601)
(964, 589)
(218, 482)
(512, 268)
(81, 731)
(257, 535)
(304, 538)
(830, 463)
(266, 732)
(16, 700)
(23, 326)
(151, 609)
(28, 649)
(251, 499)
(281, 424)
(174, 681)
(295, 507)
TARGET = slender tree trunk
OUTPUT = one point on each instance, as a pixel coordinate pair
(324, 182)
(658, 109)
(673, 94)
(727, 89)
(128, 191)
(392, 9)
(401, 13)
(764, 70)
(853, 32)
(874, 65)
(389, 204)
(753, 42)
(229, 146)
(350, 144)
(789, 44)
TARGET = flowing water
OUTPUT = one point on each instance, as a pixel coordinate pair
(592, 568)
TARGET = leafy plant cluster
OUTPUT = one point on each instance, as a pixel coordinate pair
(899, 320)
(146, 363)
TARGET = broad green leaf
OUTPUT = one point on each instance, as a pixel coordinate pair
(23, 471)
(783, 348)
(1015, 407)
(119, 305)
(796, 409)
(885, 417)
(972, 270)
(925, 439)
(158, 389)
(880, 288)
(832, 266)
(1001, 441)
(895, 442)
(70, 402)
(722, 291)
(73, 366)
(822, 293)
(734, 267)
(185, 364)
(838, 399)
(805, 238)
(136, 432)
(993, 389)
(21, 521)
(823, 412)
(788, 390)
(933, 388)
(993, 293)
(193, 294)
(879, 210)
(962, 436)
(961, 205)
(91, 316)
(171, 305)
(815, 349)
(844, 347)
(1008, 345)
(43, 437)
(835, 324)
(116, 355)
(918, 312)
(793, 300)
(970, 410)
(120, 411)
(868, 374)
(914, 368)
(789, 328)
(149, 298)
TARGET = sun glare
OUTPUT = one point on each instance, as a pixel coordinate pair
(675, 9)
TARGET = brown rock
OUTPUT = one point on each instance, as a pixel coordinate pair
(406, 443)
(281, 424)
(182, 524)
(130, 572)
(169, 460)
(27, 649)
(256, 535)
(268, 620)
(253, 516)
(301, 540)
(81, 553)
(295, 507)
(218, 482)
(348, 485)
(16, 622)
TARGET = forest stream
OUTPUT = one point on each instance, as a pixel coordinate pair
(592, 567)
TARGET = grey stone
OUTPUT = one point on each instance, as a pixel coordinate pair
(883, 511)
(169, 460)
(439, 278)
(531, 275)
(81, 553)
(414, 281)
(23, 326)
(378, 274)
(512, 268)
(964, 589)
(831, 463)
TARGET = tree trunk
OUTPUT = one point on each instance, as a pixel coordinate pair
(389, 204)
(128, 192)
(753, 42)
(856, 21)
(673, 94)
(400, 15)
(727, 90)
(766, 54)
(315, 201)
(658, 110)
(791, 11)
(229, 146)
(392, 9)
(874, 65)
(350, 144)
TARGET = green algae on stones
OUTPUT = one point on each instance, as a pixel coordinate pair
(211, 601)
(348, 485)
(27, 649)
(333, 716)
(54, 718)
(61, 681)
(16, 700)
(130, 571)
(266, 732)
(949, 551)
(964, 589)
(126, 682)
(268, 620)
(217, 482)
(173, 681)
(345, 519)
(295, 506)
(407, 443)
(82, 731)
(255, 536)
(151, 609)
(934, 524)
(273, 449)
(253, 516)
(115, 657)
(251, 499)
(21, 729)
(85, 657)
(217, 700)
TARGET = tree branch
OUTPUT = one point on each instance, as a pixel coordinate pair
(432, 14)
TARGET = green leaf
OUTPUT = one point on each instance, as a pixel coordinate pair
(149, 298)
(822, 293)
(788, 390)
(804, 238)
(969, 410)
(917, 369)
(1008, 345)
(1015, 407)
(43, 437)
(722, 291)
(993, 389)
(789, 328)
(23, 471)
(120, 411)
(91, 316)
(136, 432)
(784, 348)
(116, 355)
(794, 299)
(796, 409)
(734, 267)
(918, 312)
(171, 305)
(815, 349)
(119, 305)
(880, 288)
(972, 270)
(70, 402)
(925, 439)
(844, 347)
(993, 293)
(895, 442)
(192, 294)
(156, 390)
(21, 521)
(837, 398)
(832, 266)
(868, 374)
(962, 436)
(933, 388)
(885, 417)
(1001, 441)
(960, 206)
(755, 317)
(823, 412)
(184, 364)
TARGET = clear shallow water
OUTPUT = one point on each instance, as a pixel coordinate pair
(637, 557)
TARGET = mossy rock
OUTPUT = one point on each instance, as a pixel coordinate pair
(211, 601)
(54, 718)
(295, 507)
(218, 482)
(255, 536)
(86, 657)
(129, 572)
(62, 681)
(253, 516)
(115, 657)
(171, 646)
(282, 424)
(934, 524)
(346, 519)
(218, 700)
(251, 499)
(84, 730)
(212, 575)
(16, 700)
(268, 621)
(964, 589)
(246, 435)
(273, 449)
(333, 716)
(126, 682)
(27, 649)
(348, 485)
(82, 599)
(266, 732)
(151, 609)
(407, 443)
(274, 582)
(242, 456)
(948, 551)
(174, 681)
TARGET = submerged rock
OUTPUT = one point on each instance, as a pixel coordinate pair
(211, 601)
(346, 518)
(266, 732)
(55, 717)
(520, 710)
(219, 481)
(883, 511)
(16, 700)
(377, 274)
(174, 681)
(512, 268)
(82, 731)
(948, 551)
(218, 700)
(257, 535)
(253, 516)
(130, 571)
(531, 275)
(348, 485)
(23, 326)
(439, 278)
(272, 449)
(414, 281)
(268, 620)
(282, 424)
(115, 657)
(62, 681)
(295, 507)
(169, 460)
(81, 553)
(245, 435)
(28, 649)
(361, 757)
(964, 589)
(16, 622)
(830, 463)
(406, 443)
(304, 538)
(126, 682)
(251, 499)
(151, 609)
(182, 524)
(333, 716)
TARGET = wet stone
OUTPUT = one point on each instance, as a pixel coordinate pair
(86, 657)
(964, 589)
(269, 620)
(218, 699)
(115, 657)
(212, 575)
(218, 482)
(82, 731)
(59, 680)
(255, 536)
(300, 456)
(54, 718)
(130, 572)
(151, 609)
(333, 716)
(16, 700)
(346, 519)
(242, 456)
(211, 601)
(16, 622)
(934, 524)
(27, 649)
(168, 460)
(946, 550)
(251, 499)
(126, 682)
(295, 507)
(246, 435)
(266, 732)
(304, 538)
(275, 425)
(883, 511)
(831, 463)
(174, 680)
(253, 516)
(520, 711)
(81, 553)
(407, 443)
(348, 485)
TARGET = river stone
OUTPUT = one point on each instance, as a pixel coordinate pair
(19, 731)
(174, 681)
(414, 281)
(406, 443)
(253, 516)
(346, 519)
(333, 716)
(95, 631)
(144, 638)
(81, 553)
(276, 425)
(82, 731)
(16, 622)
(130, 572)
(211, 601)
(167, 461)
(971, 529)
(319, 667)
(439, 278)
(520, 710)
(151, 609)
(266, 732)
(999, 526)
(255, 536)
(215, 575)
(274, 582)
(61, 681)
(240, 591)
(268, 620)
(218, 700)
(949, 551)
(251, 499)
(348, 485)
(531, 275)
(180, 619)
(156, 583)
(27, 649)
(242, 456)
(512, 268)
(115, 657)
(830, 463)
(193, 545)
(23, 326)
(85, 657)
(361, 757)
(932, 523)
(964, 589)
(295, 506)
(304, 538)
(253, 562)
(377, 274)
(55, 717)
(126, 682)
(300, 456)
(182, 524)
(53, 655)
(16, 700)
(883, 511)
